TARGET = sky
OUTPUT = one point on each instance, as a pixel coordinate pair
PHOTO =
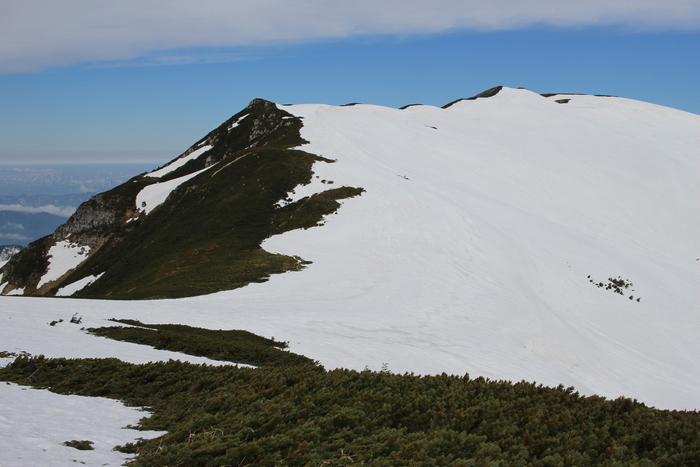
(139, 81)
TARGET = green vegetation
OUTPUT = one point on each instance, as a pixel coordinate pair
(305, 416)
(84, 445)
(233, 346)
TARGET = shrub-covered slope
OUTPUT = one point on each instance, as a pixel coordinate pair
(232, 346)
(303, 416)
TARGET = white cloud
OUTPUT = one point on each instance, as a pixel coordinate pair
(63, 211)
(39, 34)
(13, 237)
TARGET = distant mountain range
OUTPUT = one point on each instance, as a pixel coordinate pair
(512, 235)
(7, 252)
(26, 218)
(28, 213)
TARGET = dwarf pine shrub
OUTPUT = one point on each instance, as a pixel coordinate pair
(234, 346)
(299, 416)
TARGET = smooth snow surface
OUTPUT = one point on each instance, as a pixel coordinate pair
(63, 256)
(152, 196)
(34, 424)
(177, 163)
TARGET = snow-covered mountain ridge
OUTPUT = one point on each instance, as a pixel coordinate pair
(487, 239)
(184, 229)
(479, 245)
(7, 252)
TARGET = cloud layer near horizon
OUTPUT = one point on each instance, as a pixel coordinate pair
(41, 34)
(63, 211)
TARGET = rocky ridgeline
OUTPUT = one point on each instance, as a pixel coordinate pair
(95, 212)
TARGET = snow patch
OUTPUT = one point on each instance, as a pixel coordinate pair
(236, 123)
(73, 287)
(63, 256)
(317, 185)
(177, 163)
(152, 196)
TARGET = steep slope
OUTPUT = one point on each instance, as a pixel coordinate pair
(514, 236)
(192, 227)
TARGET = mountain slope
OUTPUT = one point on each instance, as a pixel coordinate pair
(514, 236)
(149, 237)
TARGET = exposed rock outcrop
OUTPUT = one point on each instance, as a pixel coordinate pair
(95, 212)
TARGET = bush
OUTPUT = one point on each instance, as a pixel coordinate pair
(233, 346)
(83, 445)
(289, 416)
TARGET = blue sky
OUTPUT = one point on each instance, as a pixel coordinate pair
(98, 82)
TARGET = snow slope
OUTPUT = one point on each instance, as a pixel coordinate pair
(472, 247)
(63, 256)
(152, 196)
(177, 163)
(74, 287)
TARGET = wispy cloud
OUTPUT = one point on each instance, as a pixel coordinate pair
(63, 211)
(40, 34)
(13, 237)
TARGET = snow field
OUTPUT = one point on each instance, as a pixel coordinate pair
(479, 228)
